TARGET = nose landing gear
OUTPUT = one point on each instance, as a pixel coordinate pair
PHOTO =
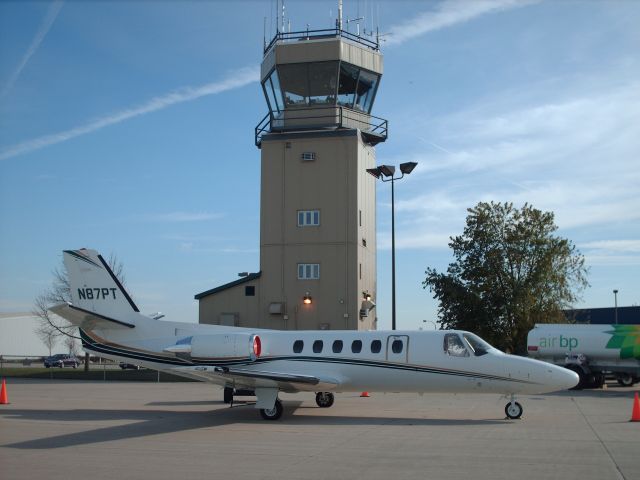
(513, 409)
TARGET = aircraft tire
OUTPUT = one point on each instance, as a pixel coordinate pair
(228, 395)
(272, 413)
(513, 411)
(324, 399)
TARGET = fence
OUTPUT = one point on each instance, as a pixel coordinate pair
(100, 369)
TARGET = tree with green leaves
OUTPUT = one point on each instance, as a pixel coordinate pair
(509, 272)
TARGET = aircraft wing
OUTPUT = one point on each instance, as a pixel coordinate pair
(287, 382)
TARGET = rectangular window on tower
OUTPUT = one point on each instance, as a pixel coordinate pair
(308, 271)
(308, 218)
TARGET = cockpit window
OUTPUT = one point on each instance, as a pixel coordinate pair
(478, 346)
(453, 346)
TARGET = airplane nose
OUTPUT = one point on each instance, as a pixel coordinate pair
(564, 378)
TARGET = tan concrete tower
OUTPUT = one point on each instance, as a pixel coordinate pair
(318, 205)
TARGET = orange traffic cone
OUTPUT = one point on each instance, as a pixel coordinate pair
(635, 414)
(4, 399)
(365, 394)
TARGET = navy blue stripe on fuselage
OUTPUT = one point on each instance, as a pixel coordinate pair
(123, 352)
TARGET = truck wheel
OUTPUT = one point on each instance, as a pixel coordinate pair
(625, 380)
(598, 380)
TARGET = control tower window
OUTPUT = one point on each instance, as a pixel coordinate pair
(294, 82)
(347, 85)
(272, 90)
(366, 91)
(322, 83)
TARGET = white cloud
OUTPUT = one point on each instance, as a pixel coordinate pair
(575, 156)
(237, 79)
(447, 14)
(52, 14)
(621, 246)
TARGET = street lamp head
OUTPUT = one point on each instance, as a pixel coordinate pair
(407, 167)
(387, 170)
(615, 291)
(374, 171)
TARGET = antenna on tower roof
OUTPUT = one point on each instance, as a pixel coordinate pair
(283, 20)
(339, 25)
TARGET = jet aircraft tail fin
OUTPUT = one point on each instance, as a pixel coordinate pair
(95, 289)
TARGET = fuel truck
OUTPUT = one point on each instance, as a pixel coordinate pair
(592, 351)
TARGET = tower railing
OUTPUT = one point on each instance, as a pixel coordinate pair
(316, 34)
(374, 129)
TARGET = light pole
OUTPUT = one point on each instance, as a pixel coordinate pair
(615, 299)
(435, 325)
(385, 173)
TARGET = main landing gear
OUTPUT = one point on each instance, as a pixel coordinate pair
(272, 413)
(513, 409)
(324, 399)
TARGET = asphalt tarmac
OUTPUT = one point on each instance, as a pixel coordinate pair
(123, 430)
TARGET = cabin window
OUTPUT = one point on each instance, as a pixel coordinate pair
(298, 345)
(396, 346)
(453, 346)
(337, 346)
(356, 346)
(317, 346)
(376, 346)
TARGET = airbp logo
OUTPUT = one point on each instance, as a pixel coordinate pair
(570, 343)
(627, 339)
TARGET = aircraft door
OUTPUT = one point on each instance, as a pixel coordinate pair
(398, 348)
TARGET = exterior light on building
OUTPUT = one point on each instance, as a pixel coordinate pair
(366, 296)
(307, 299)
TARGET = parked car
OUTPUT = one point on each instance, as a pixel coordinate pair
(61, 360)
(129, 366)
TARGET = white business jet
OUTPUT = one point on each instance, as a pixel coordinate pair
(266, 362)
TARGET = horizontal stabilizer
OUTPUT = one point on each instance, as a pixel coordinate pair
(88, 320)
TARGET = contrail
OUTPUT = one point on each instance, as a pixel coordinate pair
(237, 79)
(51, 16)
(447, 14)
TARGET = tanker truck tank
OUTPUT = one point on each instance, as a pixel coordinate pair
(592, 351)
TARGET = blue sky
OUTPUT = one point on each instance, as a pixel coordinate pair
(128, 127)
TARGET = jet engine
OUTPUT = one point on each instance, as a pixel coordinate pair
(222, 346)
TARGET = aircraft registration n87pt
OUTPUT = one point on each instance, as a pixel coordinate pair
(265, 362)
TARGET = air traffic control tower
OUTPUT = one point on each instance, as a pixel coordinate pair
(318, 204)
